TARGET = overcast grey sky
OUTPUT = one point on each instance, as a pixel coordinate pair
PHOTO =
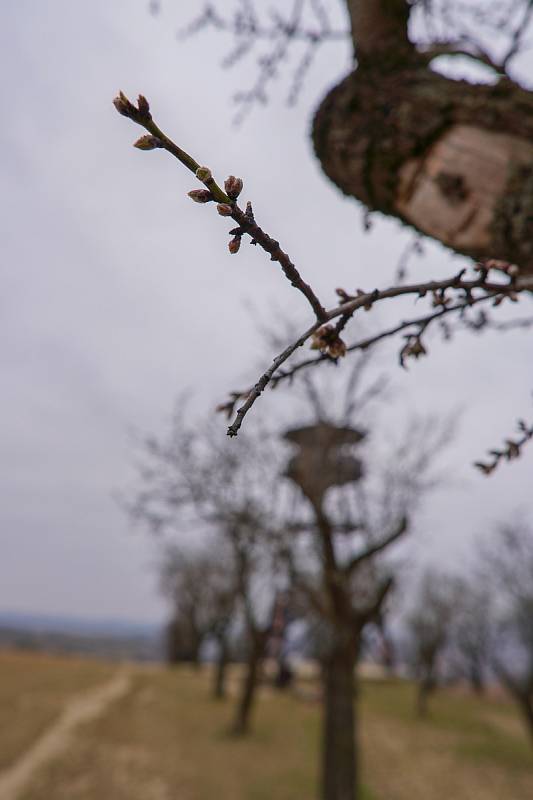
(118, 293)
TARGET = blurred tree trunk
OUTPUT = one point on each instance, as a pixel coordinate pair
(522, 693)
(221, 668)
(525, 702)
(452, 159)
(425, 688)
(258, 641)
(339, 770)
(477, 679)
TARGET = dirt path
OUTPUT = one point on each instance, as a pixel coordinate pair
(84, 708)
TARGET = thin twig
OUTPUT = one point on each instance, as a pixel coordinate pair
(497, 291)
(512, 449)
(227, 205)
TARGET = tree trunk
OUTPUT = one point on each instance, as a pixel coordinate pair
(525, 701)
(451, 159)
(425, 687)
(241, 725)
(379, 27)
(219, 685)
(477, 680)
(339, 764)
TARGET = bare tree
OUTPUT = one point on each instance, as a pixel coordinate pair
(429, 625)
(510, 564)
(354, 513)
(473, 630)
(191, 481)
(201, 585)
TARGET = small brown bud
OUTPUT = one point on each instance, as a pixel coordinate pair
(201, 195)
(224, 210)
(233, 187)
(204, 174)
(486, 469)
(148, 142)
(144, 107)
(513, 270)
(234, 245)
(123, 105)
(513, 450)
(337, 348)
(327, 340)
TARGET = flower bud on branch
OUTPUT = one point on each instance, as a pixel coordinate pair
(327, 340)
(141, 114)
(201, 195)
(148, 142)
(234, 245)
(204, 174)
(233, 186)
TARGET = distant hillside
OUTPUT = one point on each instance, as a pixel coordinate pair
(104, 638)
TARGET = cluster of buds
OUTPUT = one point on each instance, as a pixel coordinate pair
(233, 187)
(512, 449)
(140, 114)
(327, 340)
(413, 348)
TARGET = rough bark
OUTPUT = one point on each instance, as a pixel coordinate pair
(339, 752)
(451, 159)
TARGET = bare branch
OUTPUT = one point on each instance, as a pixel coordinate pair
(512, 449)
(325, 338)
(370, 612)
(372, 550)
(279, 32)
(227, 200)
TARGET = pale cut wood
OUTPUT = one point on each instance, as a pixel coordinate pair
(451, 192)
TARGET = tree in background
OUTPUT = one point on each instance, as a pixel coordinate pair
(354, 511)
(192, 483)
(430, 629)
(473, 629)
(509, 561)
(201, 586)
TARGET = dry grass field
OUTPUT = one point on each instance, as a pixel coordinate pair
(166, 740)
(33, 690)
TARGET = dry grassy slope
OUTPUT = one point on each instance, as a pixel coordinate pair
(33, 691)
(166, 740)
